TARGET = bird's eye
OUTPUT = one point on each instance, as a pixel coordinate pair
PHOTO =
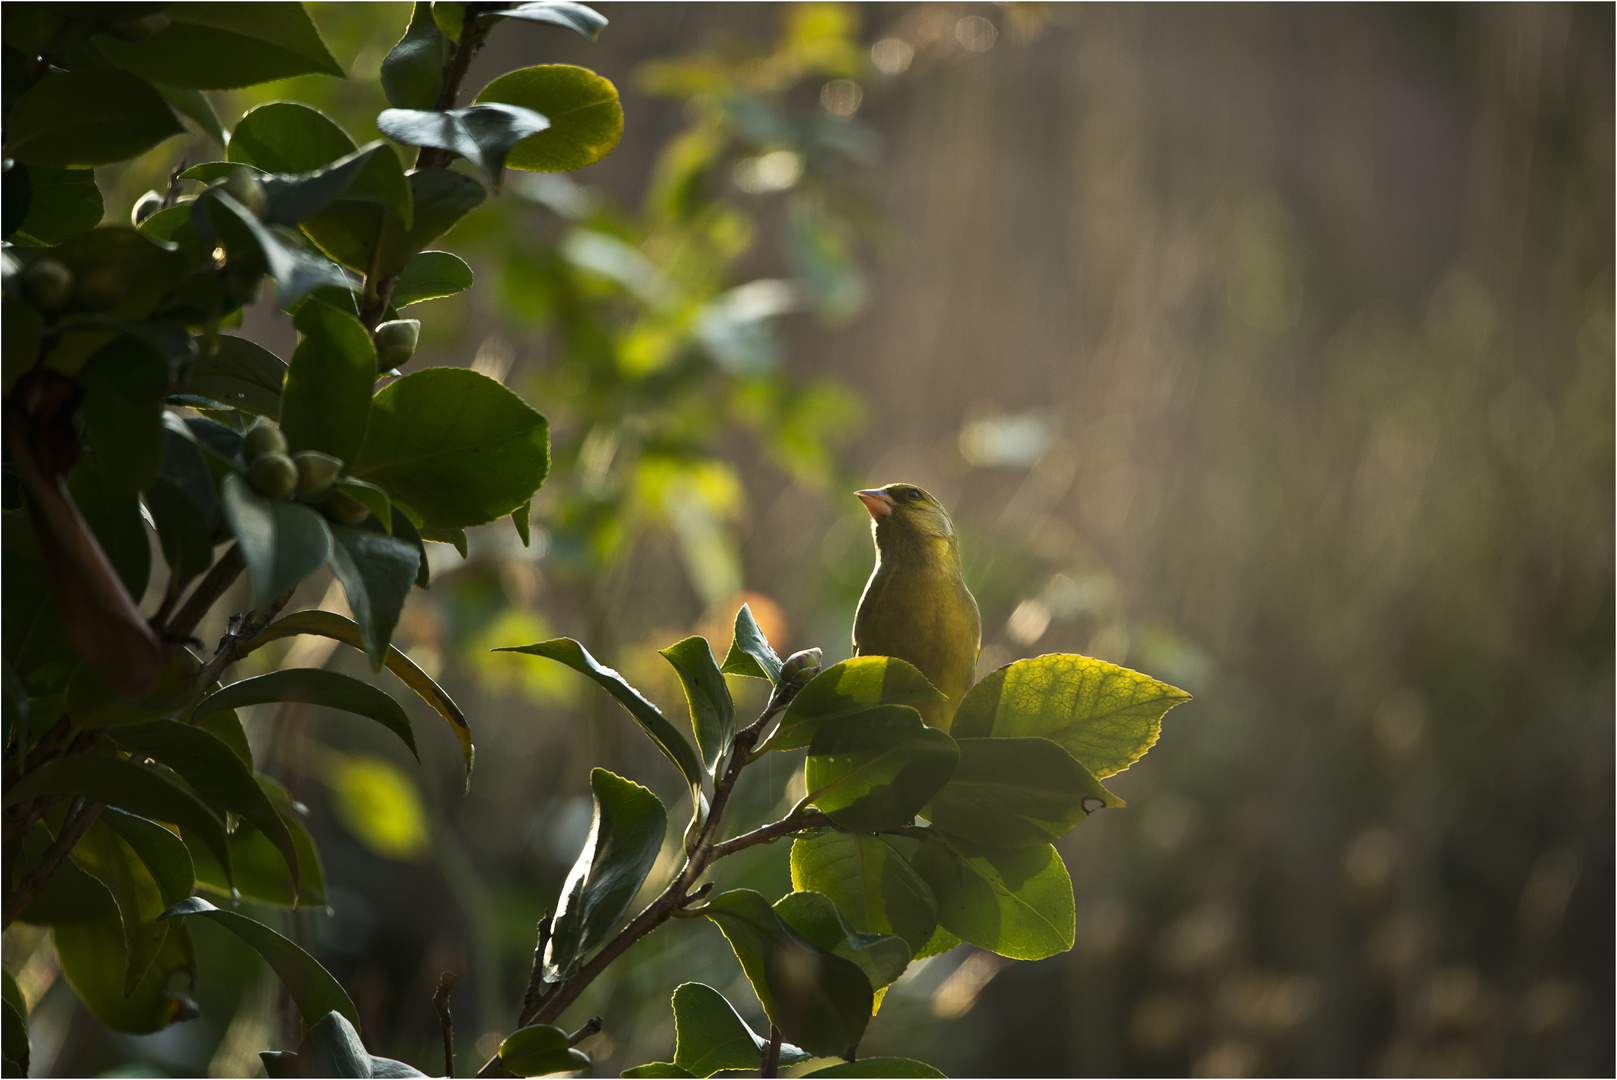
(915, 494)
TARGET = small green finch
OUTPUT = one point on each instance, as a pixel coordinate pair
(916, 605)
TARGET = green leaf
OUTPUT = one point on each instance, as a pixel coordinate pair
(35, 642)
(882, 957)
(220, 46)
(91, 955)
(713, 714)
(331, 1047)
(121, 277)
(62, 202)
(296, 272)
(1010, 793)
(376, 501)
(114, 517)
(123, 411)
(648, 716)
(282, 542)
(413, 70)
(455, 445)
(880, 1066)
(658, 1069)
(70, 895)
(874, 770)
(586, 118)
(711, 1037)
(240, 373)
(871, 884)
(195, 106)
(14, 1029)
(327, 400)
(750, 654)
(575, 17)
(328, 624)
(93, 116)
(164, 855)
(1105, 716)
(259, 870)
(626, 834)
(483, 134)
(181, 528)
(819, 1001)
(370, 174)
(226, 727)
(128, 787)
(848, 688)
(215, 772)
(376, 571)
(540, 1049)
(375, 241)
(519, 520)
(311, 986)
(1015, 903)
(314, 686)
(288, 137)
(101, 854)
(430, 275)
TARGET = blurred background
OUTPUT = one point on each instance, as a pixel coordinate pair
(1266, 350)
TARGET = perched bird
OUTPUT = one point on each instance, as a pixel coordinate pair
(916, 605)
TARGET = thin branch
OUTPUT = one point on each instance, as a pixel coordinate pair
(241, 630)
(536, 978)
(771, 1064)
(768, 834)
(440, 1001)
(80, 817)
(591, 1026)
(221, 577)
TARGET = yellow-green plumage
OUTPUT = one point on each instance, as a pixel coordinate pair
(916, 605)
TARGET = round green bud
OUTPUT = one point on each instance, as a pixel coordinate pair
(345, 508)
(316, 471)
(139, 29)
(802, 666)
(273, 475)
(48, 283)
(243, 186)
(145, 206)
(263, 438)
(395, 342)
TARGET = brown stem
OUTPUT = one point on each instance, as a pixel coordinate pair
(80, 818)
(241, 630)
(768, 834)
(771, 1064)
(223, 574)
(440, 1001)
(536, 978)
(591, 1026)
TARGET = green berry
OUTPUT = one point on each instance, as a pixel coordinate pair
(273, 475)
(346, 509)
(48, 284)
(395, 342)
(263, 438)
(316, 471)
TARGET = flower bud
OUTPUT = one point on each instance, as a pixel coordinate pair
(395, 342)
(273, 475)
(48, 283)
(263, 438)
(316, 471)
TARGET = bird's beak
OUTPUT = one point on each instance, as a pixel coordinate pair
(878, 502)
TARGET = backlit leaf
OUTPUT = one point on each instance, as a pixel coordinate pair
(847, 688)
(1009, 793)
(875, 770)
(750, 653)
(586, 118)
(1016, 903)
(713, 715)
(314, 686)
(870, 882)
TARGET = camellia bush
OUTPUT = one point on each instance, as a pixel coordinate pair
(131, 801)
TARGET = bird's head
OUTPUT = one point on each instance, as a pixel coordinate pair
(905, 514)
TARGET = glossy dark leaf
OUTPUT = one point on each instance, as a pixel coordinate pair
(710, 1035)
(195, 106)
(240, 373)
(105, 857)
(625, 836)
(327, 399)
(125, 382)
(371, 173)
(181, 528)
(70, 895)
(818, 1001)
(880, 1066)
(430, 275)
(311, 986)
(164, 855)
(376, 501)
(647, 715)
(882, 957)
(126, 786)
(586, 118)
(93, 116)
(750, 653)
(1017, 903)
(214, 772)
(288, 137)
(483, 134)
(1105, 716)
(412, 71)
(226, 727)
(259, 871)
(575, 17)
(114, 517)
(91, 955)
(296, 272)
(539, 1050)
(874, 770)
(62, 202)
(336, 627)
(455, 445)
(376, 571)
(869, 881)
(657, 1070)
(847, 688)
(1011, 793)
(713, 714)
(219, 46)
(314, 686)
(281, 542)
(14, 1029)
